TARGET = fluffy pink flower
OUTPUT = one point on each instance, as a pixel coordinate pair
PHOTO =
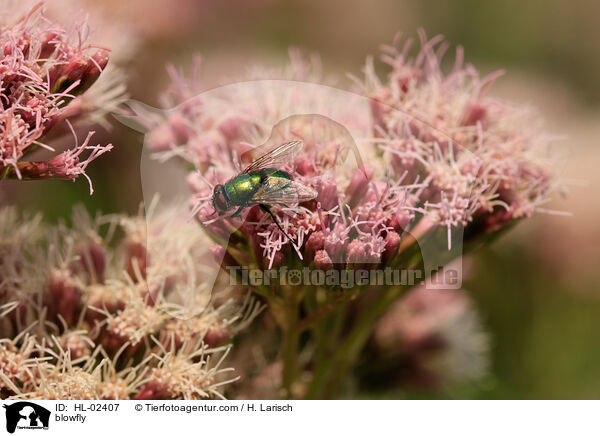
(43, 69)
(441, 154)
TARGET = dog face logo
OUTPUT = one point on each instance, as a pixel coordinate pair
(26, 415)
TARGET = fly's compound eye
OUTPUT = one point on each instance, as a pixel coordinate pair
(220, 202)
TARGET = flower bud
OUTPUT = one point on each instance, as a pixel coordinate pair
(161, 138)
(232, 127)
(399, 221)
(62, 298)
(93, 260)
(305, 165)
(322, 260)
(278, 259)
(359, 185)
(180, 127)
(153, 390)
(328, 195)
(49, 43)
(314, 243)
(136, 260)
(217, 335)
(113, 342)
(475, 112)
(335, 244)
(356, 254)
(95, 66)
(392, 243)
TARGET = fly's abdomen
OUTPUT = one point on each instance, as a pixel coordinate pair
(273, 172)
(241, 188)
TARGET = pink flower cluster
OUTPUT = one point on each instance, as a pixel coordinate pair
(43, 68)
(438, 154)
(95, 311)
(484, 161)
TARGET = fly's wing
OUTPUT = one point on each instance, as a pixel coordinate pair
(279, 190)
(276, 158)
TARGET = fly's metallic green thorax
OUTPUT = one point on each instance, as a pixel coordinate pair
(241, 189)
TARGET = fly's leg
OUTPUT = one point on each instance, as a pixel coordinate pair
(266, 209)
(237, 212)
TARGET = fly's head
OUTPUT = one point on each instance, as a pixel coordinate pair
(219, 200)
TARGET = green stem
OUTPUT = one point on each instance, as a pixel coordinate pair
(332, 305)
(337, 366)
(290, 360)
(291, 338)
(327, 333)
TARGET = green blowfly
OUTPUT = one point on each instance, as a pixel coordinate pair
(263, 183)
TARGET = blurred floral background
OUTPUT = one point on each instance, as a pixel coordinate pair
(536, 290)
